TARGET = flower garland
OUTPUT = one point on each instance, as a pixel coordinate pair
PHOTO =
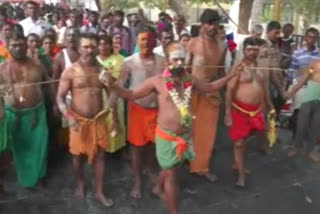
(181, 103)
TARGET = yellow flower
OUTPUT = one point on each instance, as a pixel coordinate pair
(183, 111)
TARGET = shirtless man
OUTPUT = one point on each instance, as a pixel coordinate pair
(173, 141)
(142, 113)
(205, 52)
(68, 55)
(25, 112)
(86, 117)
(245, 96)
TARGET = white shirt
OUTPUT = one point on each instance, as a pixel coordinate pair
(159, 51)
(61, 32)
(38, 27)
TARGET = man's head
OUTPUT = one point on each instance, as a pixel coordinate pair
(311, 37)
(118, 17)
(71, 37)
(106, 20)
(48, 44)
(166, 36)
(52, 33)
(33, 41)
(257, 31)
(105, 45)
(94, 17)
(33, 9)
(88, 48)
(162, 16)
(147, 40)
(17, 46)
(287, 30)
(184, 39)
(251, 48)
(210, 22)
(74, 18)
(179, 21)
(6, 29)
(175, 54)
(273, 31)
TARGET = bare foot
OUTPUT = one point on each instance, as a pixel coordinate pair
(241, 183)
(211, 177)
(292, 153)
(136, 192)
(247, 171)
(107, 202)
(313, 157)
(80, 190)
(158, 192)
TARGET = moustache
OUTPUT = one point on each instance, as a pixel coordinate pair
(177, 71)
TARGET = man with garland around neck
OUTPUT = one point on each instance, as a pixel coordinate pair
(173, 134)
(142, 113)
(247, 96)
(86, 116)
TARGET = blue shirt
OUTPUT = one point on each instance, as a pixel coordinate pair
(300, 59)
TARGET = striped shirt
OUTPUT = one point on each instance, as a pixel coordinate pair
(300, 59)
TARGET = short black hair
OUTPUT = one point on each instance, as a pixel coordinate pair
(254, 41)
(118, 13)
(106, 16)
(312, 30)
(162, 14)
(33, 35)
(210, 16)
(148, 29)
(16, 36)
(273, 25)
(107, 39)
(288, 25)
(167, 29)
(90, 36)
(47, 37)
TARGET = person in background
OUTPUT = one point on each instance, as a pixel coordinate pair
(184, 39)
(34, 23)
(93, 25)
(60, 28)
(166, 36)
(112, 62)
(106, 22)
(118, 28)
(117, 45)
(6, 30)
(301, 59)
(179, 26)
(135, 25)
(287, 45)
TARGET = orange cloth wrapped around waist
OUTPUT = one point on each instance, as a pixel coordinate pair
(142, 123)
(91, 134)
(182, 145)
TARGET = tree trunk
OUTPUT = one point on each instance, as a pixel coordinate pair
(244, 16)
(105, 5)
(257, 10)
(179, 6)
